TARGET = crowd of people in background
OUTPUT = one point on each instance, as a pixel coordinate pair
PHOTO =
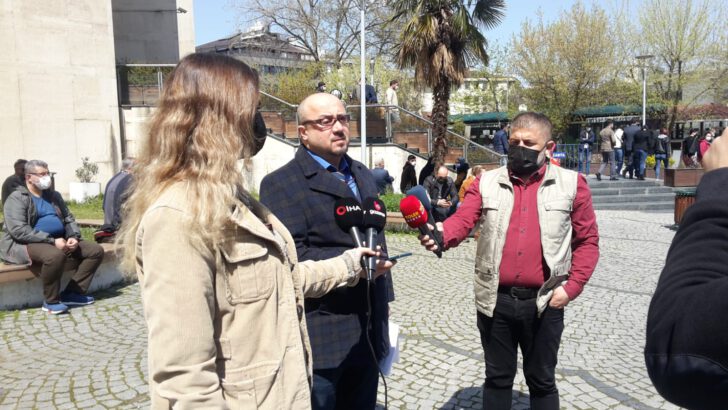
(626, 150)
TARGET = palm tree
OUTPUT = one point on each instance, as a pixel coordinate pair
(441, 39)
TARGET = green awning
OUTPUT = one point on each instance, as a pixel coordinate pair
(480, 117)
(616, 110)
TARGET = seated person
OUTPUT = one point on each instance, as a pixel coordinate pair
(15, 180)
(443, 195)
(381, 177)
(116, 193)
(40, 229)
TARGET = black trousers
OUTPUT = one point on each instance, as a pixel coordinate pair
(629, 169)
(347, 387)
(84, 260)
(515, 323)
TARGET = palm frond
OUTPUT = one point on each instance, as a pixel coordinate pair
(489, 13)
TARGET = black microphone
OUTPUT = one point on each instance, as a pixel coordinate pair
(349, 216)
(375, 217)
(420, 193)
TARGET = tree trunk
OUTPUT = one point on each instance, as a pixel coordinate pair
(440, 108)
(672, 118)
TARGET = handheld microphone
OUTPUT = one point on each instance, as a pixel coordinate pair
(375, 217)
(416, 216)
(349, 216)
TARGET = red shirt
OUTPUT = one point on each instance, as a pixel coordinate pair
(522, 263)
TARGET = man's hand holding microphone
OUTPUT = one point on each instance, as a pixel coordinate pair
(415, 208)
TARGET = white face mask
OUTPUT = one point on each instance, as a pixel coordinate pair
(413, 162)
(44, 182)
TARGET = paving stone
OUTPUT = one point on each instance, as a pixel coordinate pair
(441, 360)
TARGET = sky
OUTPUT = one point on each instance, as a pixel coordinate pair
(215, 19)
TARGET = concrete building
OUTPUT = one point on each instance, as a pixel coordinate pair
(261, 48)
(58, 76)
(478, 95)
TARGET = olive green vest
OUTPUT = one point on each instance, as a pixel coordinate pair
(555, 197)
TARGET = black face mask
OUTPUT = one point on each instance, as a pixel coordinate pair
(523, 161)
(260, 133)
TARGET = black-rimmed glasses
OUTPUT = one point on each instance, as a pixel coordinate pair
(328, 121)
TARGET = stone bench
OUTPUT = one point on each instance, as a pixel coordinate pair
(21, 287)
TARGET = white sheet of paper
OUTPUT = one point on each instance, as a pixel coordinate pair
(393, 357)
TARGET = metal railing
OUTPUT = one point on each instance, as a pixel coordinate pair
(141, 84)
(568, 155)
(382, 127)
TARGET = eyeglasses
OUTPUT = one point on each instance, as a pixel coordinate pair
(40, 174)
(328, 121)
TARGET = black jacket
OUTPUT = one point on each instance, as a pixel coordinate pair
(408, 179)
(687, 332)
(641, 140)
(10, 184)
(628, 136)
(426, 171)
(302, 195)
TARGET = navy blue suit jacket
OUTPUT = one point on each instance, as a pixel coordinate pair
(302, 195)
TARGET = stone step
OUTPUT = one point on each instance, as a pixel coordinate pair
(635, 206)
(631, 190)
(654, 198)
(621, 183)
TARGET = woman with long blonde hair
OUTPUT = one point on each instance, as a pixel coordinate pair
(221, 286)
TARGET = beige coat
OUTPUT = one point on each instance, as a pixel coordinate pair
(226, 329)
(607, 140)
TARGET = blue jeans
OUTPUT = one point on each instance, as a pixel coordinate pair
(584, 160)
(349, 386)
(638, 162)
(618, 160)
(660, 158)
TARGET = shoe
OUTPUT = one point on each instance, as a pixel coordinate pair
(624, 173)
(76, 299)
(599, 176)
(54, 308)
(612, 178)
(640, 178)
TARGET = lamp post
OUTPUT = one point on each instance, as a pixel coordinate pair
(362, 103)
(643, 59)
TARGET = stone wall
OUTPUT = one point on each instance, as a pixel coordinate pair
(58, 77)
(58, 84)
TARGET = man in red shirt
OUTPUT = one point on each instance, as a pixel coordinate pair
(538, 246)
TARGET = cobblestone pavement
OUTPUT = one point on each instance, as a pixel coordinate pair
(95, 357)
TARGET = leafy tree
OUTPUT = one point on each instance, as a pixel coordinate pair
(566, 64)
(703, 111)
(498, 74)
(689, 49)
(440, 39)
(292, 86)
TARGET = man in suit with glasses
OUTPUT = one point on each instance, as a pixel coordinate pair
(302, 194)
